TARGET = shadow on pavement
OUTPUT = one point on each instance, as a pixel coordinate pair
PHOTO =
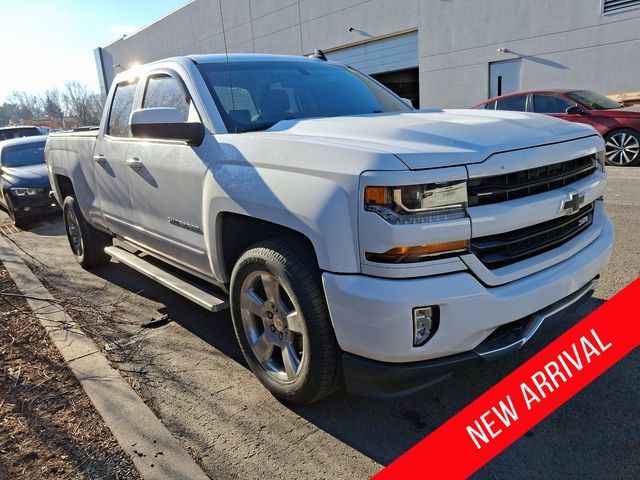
(380, 429)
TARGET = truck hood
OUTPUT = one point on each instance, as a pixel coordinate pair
(437, 138)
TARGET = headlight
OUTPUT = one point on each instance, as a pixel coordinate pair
(600, 159)
(21, 192)
(418, 204)
(434, 202)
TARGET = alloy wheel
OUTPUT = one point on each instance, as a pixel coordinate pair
(73, 232)
(622, 149)
(273, 326)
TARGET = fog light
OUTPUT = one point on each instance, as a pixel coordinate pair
(425, 323)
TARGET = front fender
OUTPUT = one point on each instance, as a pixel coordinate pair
(309, 188)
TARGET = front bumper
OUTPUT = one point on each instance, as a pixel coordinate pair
(34, 205)
(380, 379)
(372, 317)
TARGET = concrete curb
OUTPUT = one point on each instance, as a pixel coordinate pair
(155, 452)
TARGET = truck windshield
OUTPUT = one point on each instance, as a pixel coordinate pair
(594, 100)
(262, 93)
(23, 155)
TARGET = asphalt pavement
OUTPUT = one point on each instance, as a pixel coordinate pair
(191, 373)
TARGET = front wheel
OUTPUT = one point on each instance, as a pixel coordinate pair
(87, 243)
(282, 323)
(15, 217)
(622, 148)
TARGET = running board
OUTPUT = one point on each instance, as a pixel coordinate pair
(193, 292)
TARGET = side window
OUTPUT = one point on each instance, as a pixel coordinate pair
(550, 104)
(166, 91)
(517, 103)
(121, 107)
(490, 106)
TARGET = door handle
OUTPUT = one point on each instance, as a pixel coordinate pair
(135, 163)
(100, 159)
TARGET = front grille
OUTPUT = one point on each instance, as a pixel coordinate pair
(503, 249)
(499, 188)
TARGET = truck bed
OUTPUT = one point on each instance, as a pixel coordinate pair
(91, 132)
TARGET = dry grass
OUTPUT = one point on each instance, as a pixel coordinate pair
(48, 427)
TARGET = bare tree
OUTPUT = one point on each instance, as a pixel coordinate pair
(53, 104)
(8, 113)
(27, 105)
(82, 103)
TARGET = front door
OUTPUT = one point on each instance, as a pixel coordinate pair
(110, 155)
(504, 77)
(165, 183)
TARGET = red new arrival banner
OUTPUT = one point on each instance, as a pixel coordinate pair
(515, 405)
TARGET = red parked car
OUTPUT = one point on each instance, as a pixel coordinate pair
(617, 123)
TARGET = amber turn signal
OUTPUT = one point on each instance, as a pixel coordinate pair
(376, 196)
(407, 254)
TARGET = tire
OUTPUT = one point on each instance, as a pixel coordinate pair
(622, 148)
(86, 242)
(15, 217)
(284, 320)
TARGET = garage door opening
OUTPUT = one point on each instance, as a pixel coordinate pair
(404, 83)
(393, 61)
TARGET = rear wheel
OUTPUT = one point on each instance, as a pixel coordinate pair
(622, 148)
(86, 242)
(282, 323)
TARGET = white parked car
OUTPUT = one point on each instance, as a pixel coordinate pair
(352, 237)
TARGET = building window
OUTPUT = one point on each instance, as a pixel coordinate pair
(614, 6)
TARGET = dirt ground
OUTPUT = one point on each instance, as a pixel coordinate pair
(48, 427)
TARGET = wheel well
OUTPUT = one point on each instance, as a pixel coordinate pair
(239, 232)
(65, 187)
(617, 129)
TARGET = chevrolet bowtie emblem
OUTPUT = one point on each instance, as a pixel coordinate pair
(574, 203)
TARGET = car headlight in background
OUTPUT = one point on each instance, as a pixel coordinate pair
(418, 204)
(22, 192)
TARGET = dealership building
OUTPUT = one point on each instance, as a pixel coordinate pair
(438, 53)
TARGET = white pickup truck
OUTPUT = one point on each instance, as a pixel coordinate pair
(356, 241)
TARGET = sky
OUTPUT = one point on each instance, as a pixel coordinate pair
(45, 43)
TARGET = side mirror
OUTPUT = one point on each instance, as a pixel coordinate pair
(407, 101)
(165, 124)
(575, 110)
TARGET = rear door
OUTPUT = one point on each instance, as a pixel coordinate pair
(166, 180)
(110, 155)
